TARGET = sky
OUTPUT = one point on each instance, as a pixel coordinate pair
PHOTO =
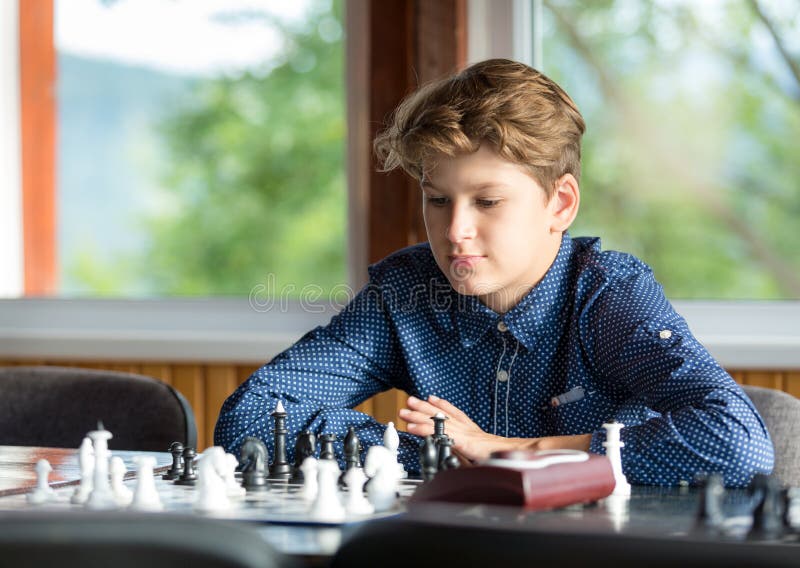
(191, 37)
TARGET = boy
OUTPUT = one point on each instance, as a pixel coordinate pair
(521, 335)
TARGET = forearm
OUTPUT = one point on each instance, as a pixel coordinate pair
(719, 433)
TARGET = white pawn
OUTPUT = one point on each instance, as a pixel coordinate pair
(43, 492)
(101, 496)
(145, 496)
(380, 466)
(391, 441)
(86, 463)
(613, 444)
(310, 486)
(122, 495)
(327, 507)
(212, 494)
(233, 487)
(356, 503)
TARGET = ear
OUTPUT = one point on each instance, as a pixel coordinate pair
(564, 203)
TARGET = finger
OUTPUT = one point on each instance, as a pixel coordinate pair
(414, 417)
(448, 408)
(421, 406)
(420, 429)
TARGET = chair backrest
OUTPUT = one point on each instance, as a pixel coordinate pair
(781, 412)
(86, 539)
(56, 406)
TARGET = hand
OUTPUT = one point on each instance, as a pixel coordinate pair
(470, 441)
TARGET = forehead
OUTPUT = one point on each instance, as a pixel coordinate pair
(480, 168)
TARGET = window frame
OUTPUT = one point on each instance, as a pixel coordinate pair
(741, 335)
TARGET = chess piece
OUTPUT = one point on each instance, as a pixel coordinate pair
(212, 495)
(428, 458)
(613, 445)
(253, 456)
(768, 511)
(232, 486)
(356, 503)
(326, 451)
(43, 493)
(188, 476)
(326, 506)
(174, 472)
(280, 468)
(310, 487)
(86, 465)
(445, 451)
(391, 441)
(710, 517)
(122, 495)
(306, 447)
(352, 449)
(379, 466)
(438, 427)
(101, 496)
(145, 495)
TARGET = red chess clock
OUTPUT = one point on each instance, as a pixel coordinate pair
(533, 480)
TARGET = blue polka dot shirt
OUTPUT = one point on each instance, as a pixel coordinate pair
(596, 340)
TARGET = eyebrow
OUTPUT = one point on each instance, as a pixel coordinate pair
(474, 187)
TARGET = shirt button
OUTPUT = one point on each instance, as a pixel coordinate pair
(501, 326)
(665, 334)
(502, 376)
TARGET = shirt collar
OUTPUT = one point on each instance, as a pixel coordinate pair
(533, 316)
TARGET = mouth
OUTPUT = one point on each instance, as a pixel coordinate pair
(464, 260)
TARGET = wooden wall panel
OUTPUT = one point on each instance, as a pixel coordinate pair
(206, 386)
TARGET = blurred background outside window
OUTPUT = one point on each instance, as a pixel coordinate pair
(200, 147)
(691, 158)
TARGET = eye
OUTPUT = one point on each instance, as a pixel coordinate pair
(436, 201)
(487, 203)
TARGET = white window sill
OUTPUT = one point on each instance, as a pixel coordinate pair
(741, 335)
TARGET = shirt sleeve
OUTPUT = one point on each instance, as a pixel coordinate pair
(683, 412)
(320, 379)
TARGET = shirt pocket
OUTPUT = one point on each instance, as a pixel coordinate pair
(582, 416)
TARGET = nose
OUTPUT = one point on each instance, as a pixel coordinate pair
(462, 224)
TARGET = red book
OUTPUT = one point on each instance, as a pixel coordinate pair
(533, 480)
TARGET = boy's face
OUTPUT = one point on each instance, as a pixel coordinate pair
(492, 231)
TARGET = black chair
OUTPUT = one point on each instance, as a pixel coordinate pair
(459, 543)
(56, 406)
(85, 539)
(781, 413)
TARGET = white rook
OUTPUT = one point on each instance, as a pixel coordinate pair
(613, 445)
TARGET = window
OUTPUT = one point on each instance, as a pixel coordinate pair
(200, 148)
(690, 158)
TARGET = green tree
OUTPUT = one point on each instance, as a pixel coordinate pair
(256, 174)
(691, 158)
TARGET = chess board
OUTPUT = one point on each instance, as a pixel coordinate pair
(279, 504)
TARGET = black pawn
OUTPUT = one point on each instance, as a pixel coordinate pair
(306, 447)
(280, 468)
(326, 451)
(710, 517)
(445, 451)
(428, 458)
(176, 449)
(452, 462)
(352, 449)
(188, 476)
(768, 511)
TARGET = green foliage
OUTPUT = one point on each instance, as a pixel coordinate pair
(256, 174)
(690, 159)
